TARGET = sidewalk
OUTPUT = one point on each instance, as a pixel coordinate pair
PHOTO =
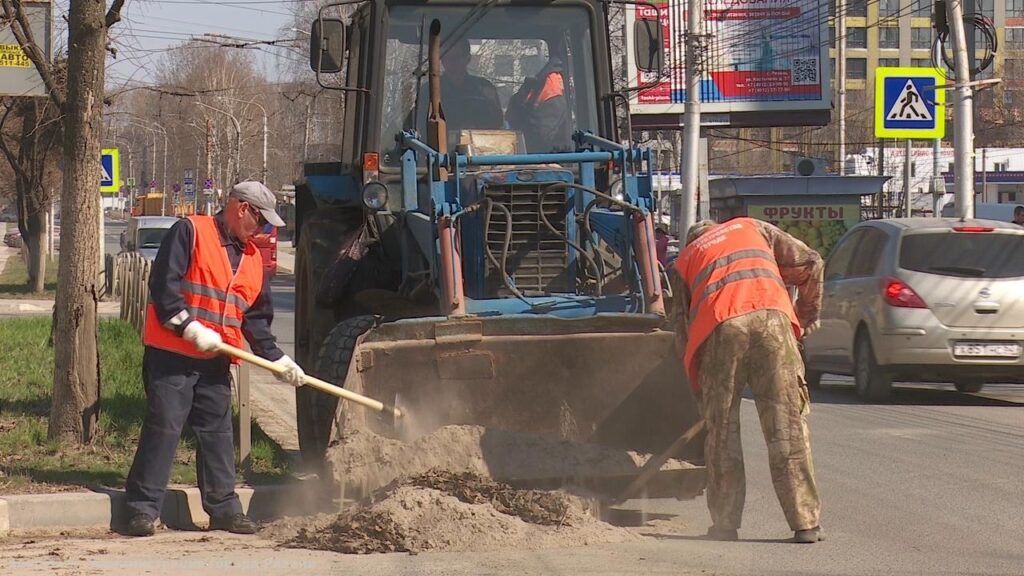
(286, 257)
(28, 307)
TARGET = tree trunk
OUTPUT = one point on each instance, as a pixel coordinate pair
(30, 193)
(76, 377)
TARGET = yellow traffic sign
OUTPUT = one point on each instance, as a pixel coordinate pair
(908, 103)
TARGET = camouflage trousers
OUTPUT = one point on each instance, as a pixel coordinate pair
(757, 350)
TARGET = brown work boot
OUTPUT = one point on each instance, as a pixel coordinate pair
(236, 524)
(139, 524)
(723, 534)
(809, 536)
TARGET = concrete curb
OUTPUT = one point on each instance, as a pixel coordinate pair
(182, 508)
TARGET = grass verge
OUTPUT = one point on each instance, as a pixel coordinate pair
(14, 279)
(29, 463)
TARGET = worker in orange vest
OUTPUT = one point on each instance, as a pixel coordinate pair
(737, 326)
(206, 287)
(540, 109)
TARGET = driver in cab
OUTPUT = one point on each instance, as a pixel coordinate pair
(468, 101)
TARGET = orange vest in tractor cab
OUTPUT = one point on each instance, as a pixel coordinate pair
(730, 271)
(215, 296)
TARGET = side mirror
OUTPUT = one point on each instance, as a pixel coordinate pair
(327, 45)
(649, 44)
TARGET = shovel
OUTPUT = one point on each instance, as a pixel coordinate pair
(313, 382)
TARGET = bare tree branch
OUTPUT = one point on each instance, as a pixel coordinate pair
(12, 159)
(114, 13)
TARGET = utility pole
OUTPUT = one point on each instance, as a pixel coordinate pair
(881, 172)
(691, 128)
(209, 148)
(841, 80)
(936, 174)
(984, 175)
(908, 206)
(963, 120)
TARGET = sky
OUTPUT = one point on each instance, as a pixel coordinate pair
(150, 27)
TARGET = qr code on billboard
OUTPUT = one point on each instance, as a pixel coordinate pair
(805, 71)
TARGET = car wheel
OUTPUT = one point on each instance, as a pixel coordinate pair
(873, 382)
(813, 378)
(969, 386)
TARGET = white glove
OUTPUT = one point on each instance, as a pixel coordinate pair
(205, 339)
(292, 374)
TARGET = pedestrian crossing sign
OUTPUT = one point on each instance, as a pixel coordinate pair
(110, 171)
(909, 104)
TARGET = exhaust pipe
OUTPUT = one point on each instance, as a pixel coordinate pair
(437, 129)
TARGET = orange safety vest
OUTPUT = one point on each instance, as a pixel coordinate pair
(215, 296)
(730, 271)
(553, 88)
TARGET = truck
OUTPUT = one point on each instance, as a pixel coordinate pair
(474, 275)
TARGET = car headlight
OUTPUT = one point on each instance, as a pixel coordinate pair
(375, 196)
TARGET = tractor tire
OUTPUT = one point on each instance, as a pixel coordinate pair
(969, 386)
(317, 408)
(321, 232)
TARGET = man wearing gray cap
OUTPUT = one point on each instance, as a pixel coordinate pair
(206, 288)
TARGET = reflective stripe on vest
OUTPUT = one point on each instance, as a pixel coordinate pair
(730, 271)
(214, 295)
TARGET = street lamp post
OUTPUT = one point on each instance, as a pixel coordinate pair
(263, 172)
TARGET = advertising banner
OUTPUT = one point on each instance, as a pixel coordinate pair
(819, 226)
(759, 55)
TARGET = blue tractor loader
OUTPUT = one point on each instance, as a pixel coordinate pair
(484, 249)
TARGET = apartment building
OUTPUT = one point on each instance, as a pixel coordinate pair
(899, 33)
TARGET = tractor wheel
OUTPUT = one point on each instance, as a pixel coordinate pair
(321, 232)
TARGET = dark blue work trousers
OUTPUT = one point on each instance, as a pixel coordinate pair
(180, 389)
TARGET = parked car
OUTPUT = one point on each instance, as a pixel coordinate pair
(266, 241)
(145, 233)
(923, 300)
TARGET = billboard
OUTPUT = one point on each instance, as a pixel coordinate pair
(18, 76)
(759, 56)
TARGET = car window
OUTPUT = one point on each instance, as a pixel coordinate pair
(838, 265)
(965, 254)
(151, 237)
(868, 253)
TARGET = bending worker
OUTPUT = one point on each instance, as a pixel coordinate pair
(739, 328)
(206, 287)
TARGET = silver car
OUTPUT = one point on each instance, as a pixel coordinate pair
(922, 300)
(145, 233)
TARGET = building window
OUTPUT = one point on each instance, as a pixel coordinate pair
(832, 36)
(888, 37)
(857, 68)
(1007, 197)
(1014, 37)
(1015, 8)
(1001, 166)
(888, 62)
(922, 8)
(832, 69)
(887, 8)
(856, 8)
(921, 62)
(986, 8)
(856, 38)
(920, 38)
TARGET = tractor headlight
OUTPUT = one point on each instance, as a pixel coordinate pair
(375, 196)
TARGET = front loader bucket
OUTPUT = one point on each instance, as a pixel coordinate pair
(613, 380)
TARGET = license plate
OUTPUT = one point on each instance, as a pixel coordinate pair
(987, 349)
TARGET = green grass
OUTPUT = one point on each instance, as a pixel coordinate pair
(14, 279)
(31, 463)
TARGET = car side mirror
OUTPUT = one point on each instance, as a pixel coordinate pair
(327, 45)
(649, 45)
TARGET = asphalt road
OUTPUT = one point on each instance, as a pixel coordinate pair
(931, 483)
(112, 236)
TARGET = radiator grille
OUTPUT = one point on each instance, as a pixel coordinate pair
(537, 258)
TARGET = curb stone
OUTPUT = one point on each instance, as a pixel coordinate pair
(182, 509)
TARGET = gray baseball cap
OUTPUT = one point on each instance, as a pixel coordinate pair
(258, 195)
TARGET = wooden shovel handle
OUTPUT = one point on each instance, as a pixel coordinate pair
(311, 381)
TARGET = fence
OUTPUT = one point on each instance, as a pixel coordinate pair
(130, 284)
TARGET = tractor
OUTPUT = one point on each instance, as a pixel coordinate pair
(473, 271)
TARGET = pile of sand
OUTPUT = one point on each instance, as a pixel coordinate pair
(441, 510)
(363, 461)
